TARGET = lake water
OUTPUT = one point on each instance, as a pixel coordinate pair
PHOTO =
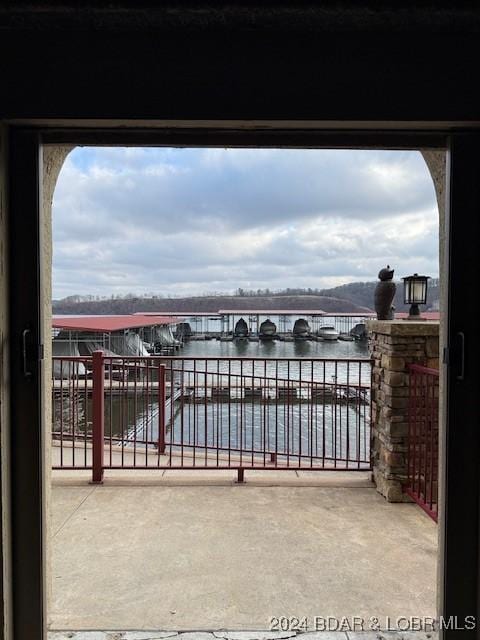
(274, 349)
(299, 360)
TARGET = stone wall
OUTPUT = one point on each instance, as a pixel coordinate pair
(393, 346)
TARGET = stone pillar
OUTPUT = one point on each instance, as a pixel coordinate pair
(394, 345)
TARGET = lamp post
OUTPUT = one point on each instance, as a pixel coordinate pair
(415, 293)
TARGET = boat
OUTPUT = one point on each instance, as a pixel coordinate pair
(268, 329)
(241, 329)
(162, 339)
(301, 329)
(359, 331)
(184, 330)
(328, 332)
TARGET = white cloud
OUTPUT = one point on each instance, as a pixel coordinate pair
(194, 220)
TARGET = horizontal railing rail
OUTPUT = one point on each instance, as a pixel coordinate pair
(113, 412)
(423, 438)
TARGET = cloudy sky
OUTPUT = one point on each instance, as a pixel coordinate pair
(191, 221)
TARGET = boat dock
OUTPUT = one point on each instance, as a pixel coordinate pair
(268, 391)
(222, 324)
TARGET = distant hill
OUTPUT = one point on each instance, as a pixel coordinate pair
(356, 297)
(209, 304)
(361, 294)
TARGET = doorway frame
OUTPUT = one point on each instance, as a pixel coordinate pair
(459, 589)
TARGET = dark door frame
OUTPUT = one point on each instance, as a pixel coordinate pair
(460, 586)
(461, 439)
(26, 417)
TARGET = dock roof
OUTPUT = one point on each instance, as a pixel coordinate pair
(107, 324)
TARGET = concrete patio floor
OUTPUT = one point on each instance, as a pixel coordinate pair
(183, 551)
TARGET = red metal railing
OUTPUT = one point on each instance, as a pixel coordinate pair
(203, 413)
(422, 460)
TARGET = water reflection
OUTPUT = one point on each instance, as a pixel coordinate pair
(274, 349)
(302, 348)
(241, 347)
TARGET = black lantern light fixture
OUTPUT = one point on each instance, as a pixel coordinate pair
(415, 293)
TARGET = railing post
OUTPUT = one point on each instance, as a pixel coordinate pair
(161, 408)
(98, 401)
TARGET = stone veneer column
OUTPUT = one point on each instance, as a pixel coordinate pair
(394, 345)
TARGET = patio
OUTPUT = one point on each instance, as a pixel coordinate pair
(179, 550)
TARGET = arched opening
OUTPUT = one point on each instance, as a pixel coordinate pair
(173, 613)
